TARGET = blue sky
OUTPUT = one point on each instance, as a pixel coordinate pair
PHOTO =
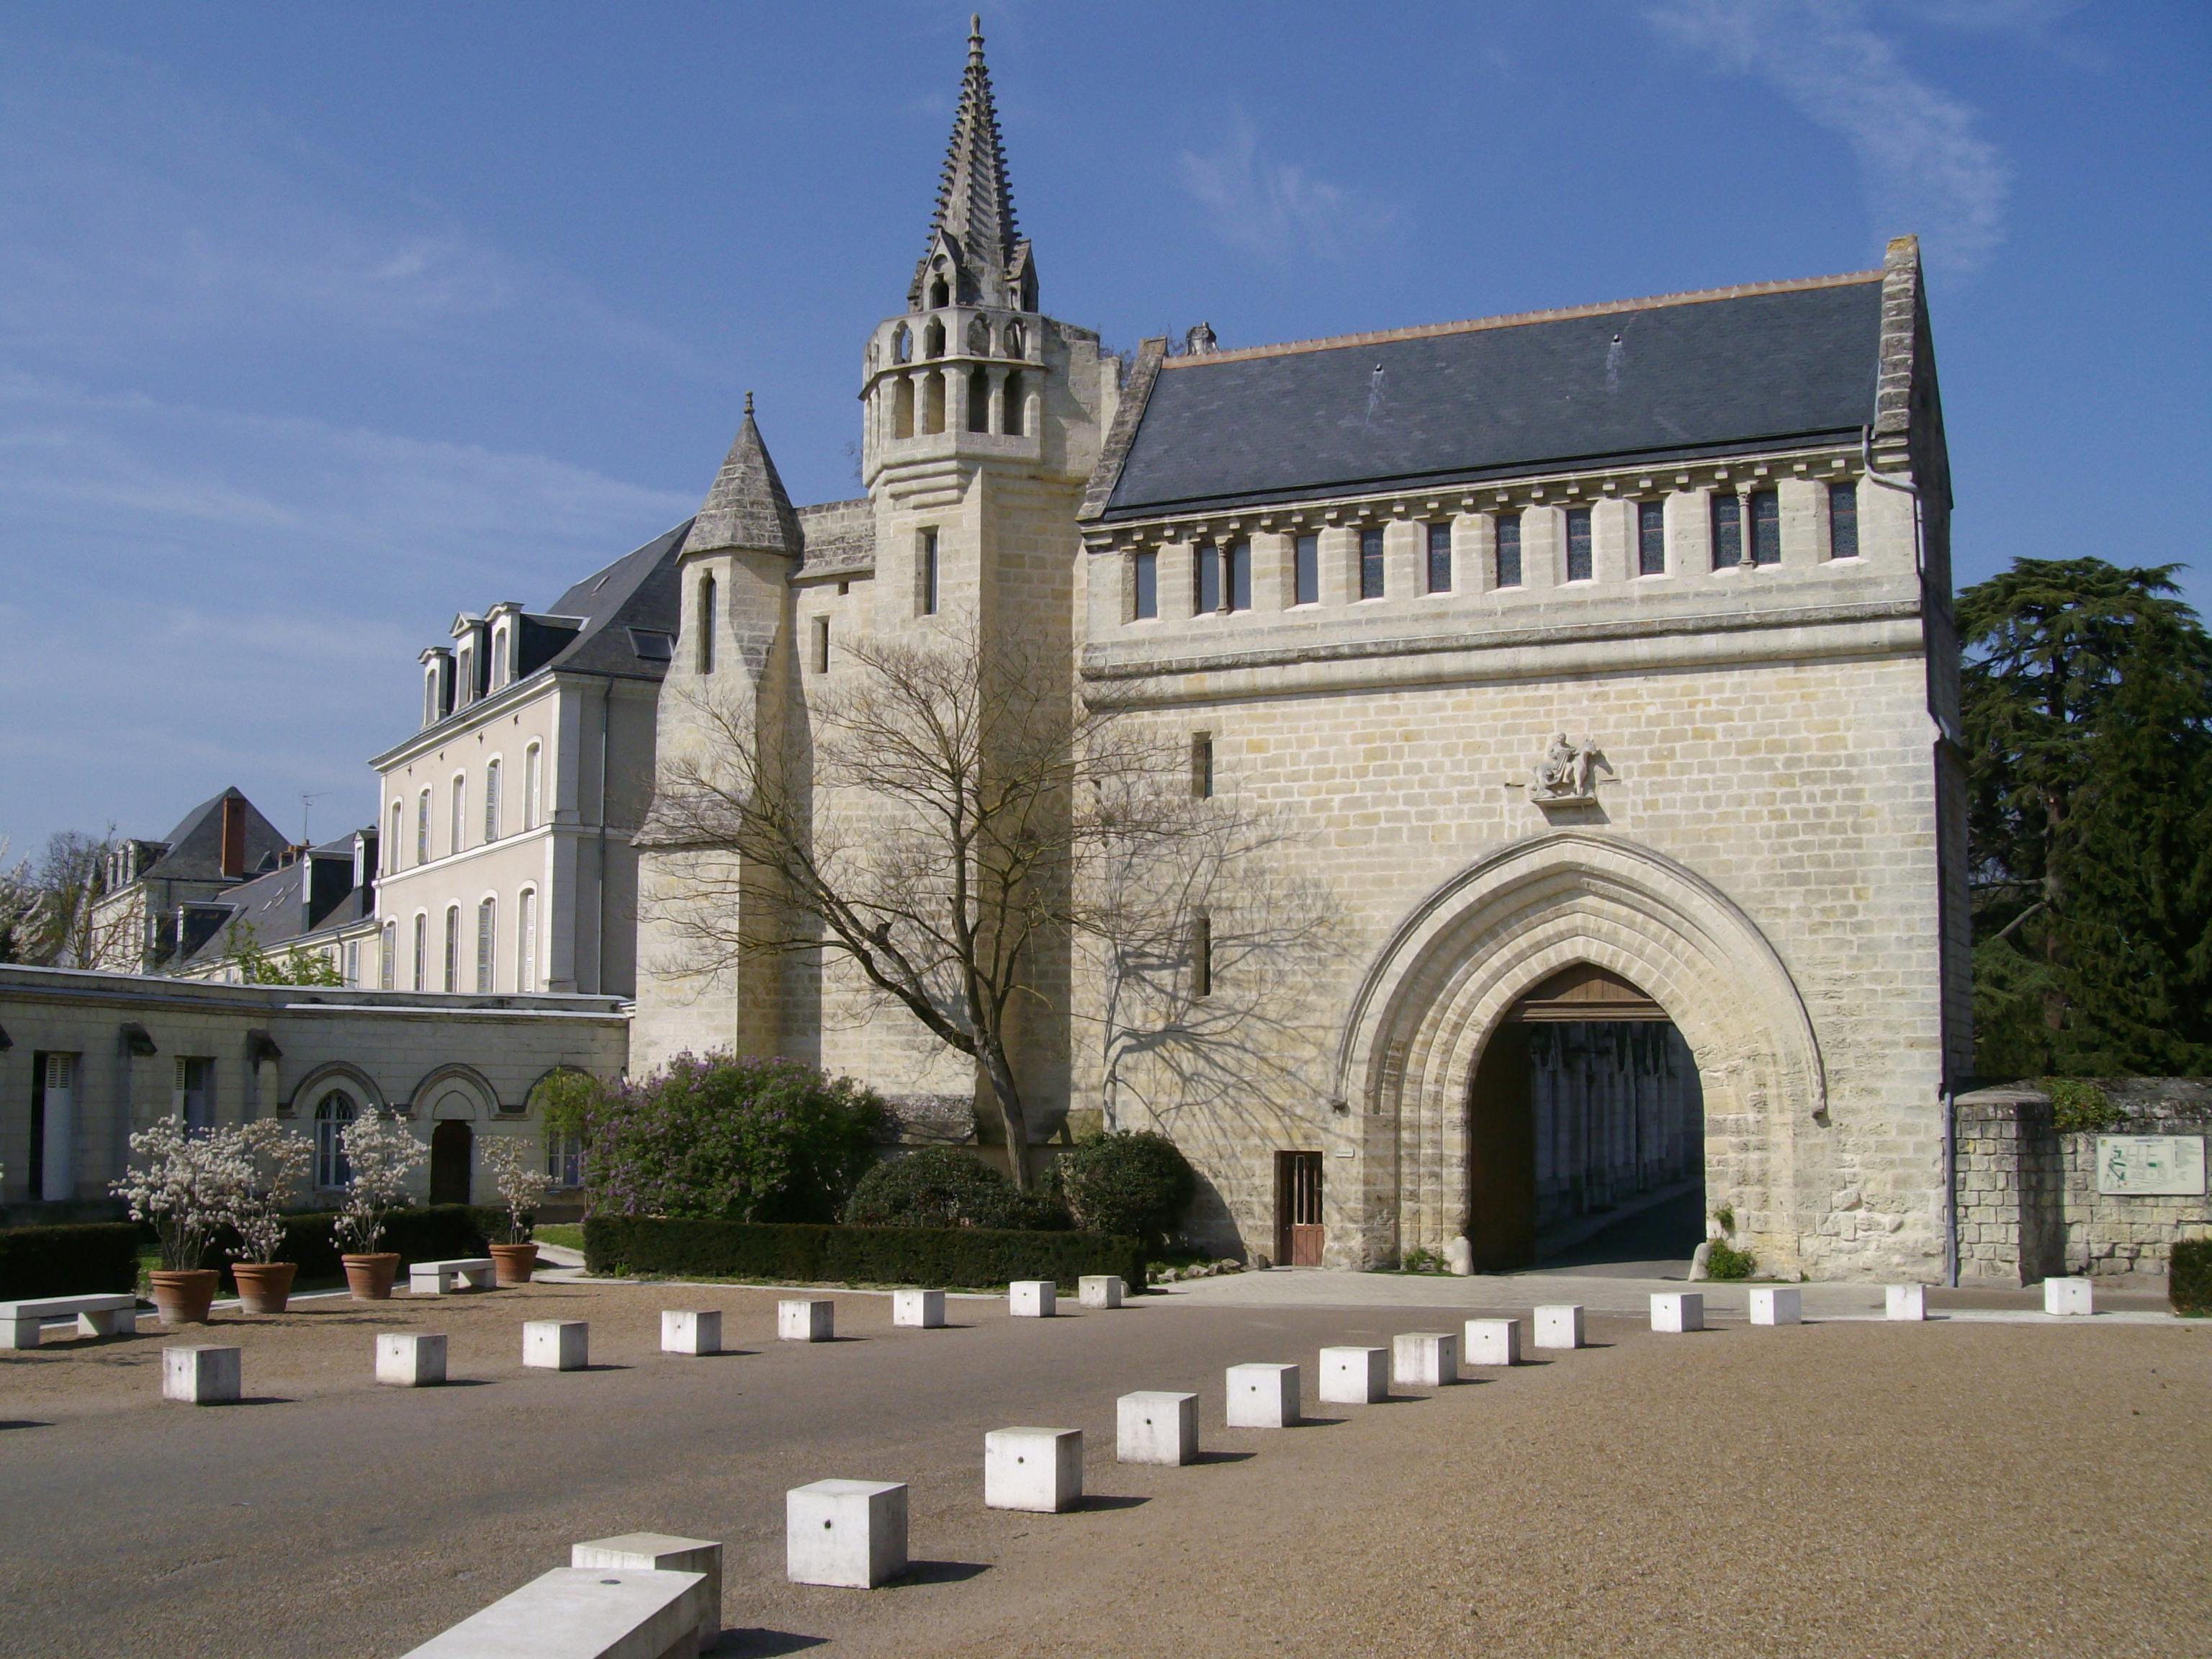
(319, 324)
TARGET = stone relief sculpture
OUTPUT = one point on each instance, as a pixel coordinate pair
(1200, 341)
(1567, 775)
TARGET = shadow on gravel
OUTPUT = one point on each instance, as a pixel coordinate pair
(933, 1572)
(763, 1643)
(1121, 1501)
(21, 1423)
(1224, 1457)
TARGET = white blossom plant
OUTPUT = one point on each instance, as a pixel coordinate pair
(380, 1154)
(186, 1185)
(277, 1161)
(521, 1180)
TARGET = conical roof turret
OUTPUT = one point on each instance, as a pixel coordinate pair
(987, 262)
(746, 507)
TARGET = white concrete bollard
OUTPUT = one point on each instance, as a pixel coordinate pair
(200, 1375)
(1424, 1359)
(1353, 1376)
(1777, 1305)
(849, 1533)
(1559, 1325)
(693, 1331)
(1101, 1289)
(1263, 1396)
(1676, 1311)
(1031, 1299)
(1492, 1341)
(410, 1359)
(1906, 1301)
(2068, 1298)
(1038, 1469)
(556, 1344)
(923, 1310)
(601, 1611)
(656, 1551)
(1156, 1427)
(805, 1319)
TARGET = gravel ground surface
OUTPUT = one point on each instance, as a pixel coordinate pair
(1839, 1489)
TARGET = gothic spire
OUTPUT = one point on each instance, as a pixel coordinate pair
(986, 260)
(746, 507)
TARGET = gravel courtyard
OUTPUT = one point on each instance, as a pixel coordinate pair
(1832, 1489)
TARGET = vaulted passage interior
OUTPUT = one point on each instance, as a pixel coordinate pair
(1586, 1130)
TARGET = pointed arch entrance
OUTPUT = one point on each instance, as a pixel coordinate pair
(1450, 975)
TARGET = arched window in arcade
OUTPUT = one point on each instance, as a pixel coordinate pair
(333, 1113)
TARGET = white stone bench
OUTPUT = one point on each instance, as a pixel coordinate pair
(659, 1551)
(95, 1315)
(440, 1278)
(585, 1612)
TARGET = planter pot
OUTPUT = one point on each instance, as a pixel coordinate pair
(369, 1277)
(183, 1296)
(512, 1264)
(263, 1287)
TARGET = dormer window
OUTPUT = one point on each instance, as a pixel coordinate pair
(500, 664)
(464, 674)
(940, 292)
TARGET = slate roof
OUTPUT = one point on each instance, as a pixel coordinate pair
(270, 905)
(746, 506)
(195, 846)
(634, 595)
(1693, 374)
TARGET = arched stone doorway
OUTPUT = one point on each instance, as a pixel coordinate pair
(1584, 1115)
(453, 1158)
(1447, 980)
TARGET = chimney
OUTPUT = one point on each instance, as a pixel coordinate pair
(233, 836)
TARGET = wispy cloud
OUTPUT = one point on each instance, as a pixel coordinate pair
(1274, 209)
(1925, 162)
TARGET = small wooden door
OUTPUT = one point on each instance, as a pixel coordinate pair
(1501, 1210)
(1298, 1209)
(452, 1146)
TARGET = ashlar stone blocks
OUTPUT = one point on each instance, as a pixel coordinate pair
(200, 1374)
(1353, 1376)
(849, 1534)
(410, 1359)
(1559, 1325)
(1263, 1396)
(805, 1319)
(1777, 1305)
(1154, 1426)
(922, 1310)
(1031, 1299)
(556, 1344)
(1677, 1311)
(692, 1330)
(1492, 1341)
(1036, 1469)
(1426, 1359)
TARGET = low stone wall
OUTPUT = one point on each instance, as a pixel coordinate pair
(2028, 1205)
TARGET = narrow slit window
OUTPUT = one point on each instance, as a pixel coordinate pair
(978, 400)
(1201, 766)
(1201, 956)
(1238, 576)
(1206, 579)
(1765, 527)
(1370, 563)
(1650, 538)
(1016, 406)
(1727, 531)
(1509, 551)
(1578, 544)
(1440, 560)
(929, 573)
(822, 645)
(1144, 578)
(1305, 574)
(705, 655)
(1843, 520)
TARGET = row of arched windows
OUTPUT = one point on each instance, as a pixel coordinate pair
(1012, 340)
(451, 975)
(457, 817)
(930, 418)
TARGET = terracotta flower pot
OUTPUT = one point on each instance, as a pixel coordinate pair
(369, 1277)
(263, 1287)
(184, 1295)
(512, 1264)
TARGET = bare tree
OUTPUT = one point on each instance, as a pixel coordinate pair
(48, 913)
(19, 906)
(959, 819)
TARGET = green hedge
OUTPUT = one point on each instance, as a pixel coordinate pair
(2189, 1276)
(94, 1258)
(797, 1255)
(436, 1233)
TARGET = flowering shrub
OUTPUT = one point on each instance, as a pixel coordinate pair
(520, 1177)
(275, 1161)
(186, 1185)
(722, 1138)
(380, 1154)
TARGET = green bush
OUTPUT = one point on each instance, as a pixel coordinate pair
(763, 1140)
(1135, 1183)
(803, 1255)
(2189, 1277)
(90, 1259)
(2078, 1106)
(944, 1187)
(1725, 1261)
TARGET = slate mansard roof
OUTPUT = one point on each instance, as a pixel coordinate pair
(628, 611)
(274, 906)
(194, 848)
(1660, 380)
